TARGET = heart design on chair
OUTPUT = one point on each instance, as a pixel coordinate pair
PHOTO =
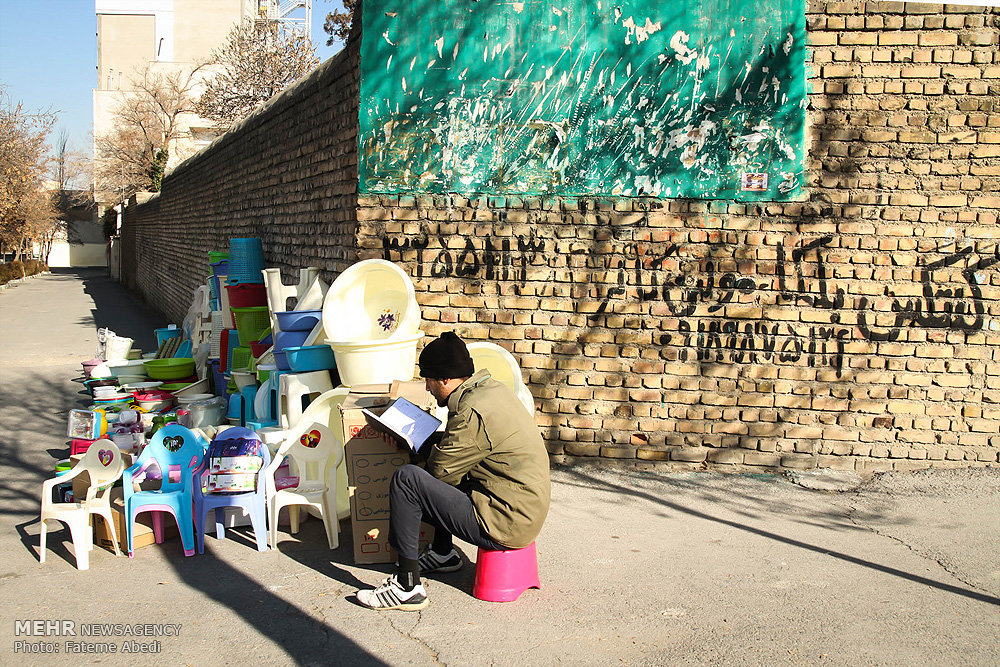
(173, 444)
(310, 439)
(105, 456)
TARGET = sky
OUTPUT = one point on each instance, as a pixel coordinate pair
(48, 58)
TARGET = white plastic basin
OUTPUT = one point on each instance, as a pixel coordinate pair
(372, 300)
(376, 362)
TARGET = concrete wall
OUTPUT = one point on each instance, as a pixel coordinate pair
(854, 329)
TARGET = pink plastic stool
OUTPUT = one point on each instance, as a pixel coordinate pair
(501, 576)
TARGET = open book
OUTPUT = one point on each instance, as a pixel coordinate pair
(405, 421)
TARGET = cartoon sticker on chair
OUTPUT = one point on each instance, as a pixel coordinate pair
(105, 457)
(173, 444)
(310, 439)
(388, 319)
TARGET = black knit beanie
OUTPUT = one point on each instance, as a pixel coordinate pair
(446, 357)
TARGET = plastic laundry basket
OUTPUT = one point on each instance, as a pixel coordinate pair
(252, 323)
(246, 261)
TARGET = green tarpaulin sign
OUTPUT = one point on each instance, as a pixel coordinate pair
(582, 98)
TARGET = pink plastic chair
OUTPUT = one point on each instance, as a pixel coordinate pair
(501, 576)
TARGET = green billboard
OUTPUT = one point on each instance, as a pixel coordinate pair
(702, 99)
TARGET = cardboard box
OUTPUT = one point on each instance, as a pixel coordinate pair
(143, 528)
(371, 458)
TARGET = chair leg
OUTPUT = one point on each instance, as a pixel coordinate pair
(258, 523)
(220, 523)
(200, 515)
(272, 528)
(293, 518)
(41, 541)
(77, 531)
(331, 523)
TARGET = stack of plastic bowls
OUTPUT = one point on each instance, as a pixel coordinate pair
(371, 319)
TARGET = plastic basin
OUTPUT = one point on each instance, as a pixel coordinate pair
(283, 339)
(280, 360)
(169, 369)
(376, 362)
(298, 320)
(372, 300)
(310, 358)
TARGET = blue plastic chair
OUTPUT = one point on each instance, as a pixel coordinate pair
(177, 451)
(253, 503)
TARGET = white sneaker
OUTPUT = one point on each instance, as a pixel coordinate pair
(390, 595)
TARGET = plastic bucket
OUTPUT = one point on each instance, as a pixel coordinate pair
(117, 348)
(376, 362)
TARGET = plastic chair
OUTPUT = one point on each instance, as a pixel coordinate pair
(253, 503)
(177, 451)
(503, 367)
(315, 454)
(293, 387)
(501, 576)
(104, 465)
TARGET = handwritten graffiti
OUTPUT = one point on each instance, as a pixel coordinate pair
(739, 341)
(502, 259)
(696, 288)
(937, 308)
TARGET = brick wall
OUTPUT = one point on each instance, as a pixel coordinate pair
(855, 329)
(287, 174)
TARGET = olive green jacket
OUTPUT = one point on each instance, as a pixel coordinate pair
(492, 449)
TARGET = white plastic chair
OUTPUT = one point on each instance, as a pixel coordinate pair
(104, 465)
(315, 453)
(503, 367)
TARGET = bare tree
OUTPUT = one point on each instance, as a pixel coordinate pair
(338, 24)
(133, 156)
(259, 59)
(26, 205)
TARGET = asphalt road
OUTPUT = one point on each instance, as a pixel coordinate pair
(639, 565)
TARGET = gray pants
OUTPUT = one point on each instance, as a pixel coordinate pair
(414, 496)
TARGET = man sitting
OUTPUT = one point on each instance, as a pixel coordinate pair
(486, 481)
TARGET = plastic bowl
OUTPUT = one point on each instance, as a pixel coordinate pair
(376, 362)
(372, 300)
(285, 339)
(131, 367)
(170, 369)
(280, 360)
(298, 320)
(310, 358)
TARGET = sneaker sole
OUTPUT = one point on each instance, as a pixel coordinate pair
(443, 569)
(403, 607)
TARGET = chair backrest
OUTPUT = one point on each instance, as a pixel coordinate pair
(314, 451)
(103, 462)
(177, 451)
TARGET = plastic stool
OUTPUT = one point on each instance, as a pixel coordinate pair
(292, 387)
(501, 576)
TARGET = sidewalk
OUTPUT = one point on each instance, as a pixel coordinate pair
(638, 565)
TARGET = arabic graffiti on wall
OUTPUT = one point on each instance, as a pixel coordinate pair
(702, 99)
(696, 292)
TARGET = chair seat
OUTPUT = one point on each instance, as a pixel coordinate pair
(61, 509)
